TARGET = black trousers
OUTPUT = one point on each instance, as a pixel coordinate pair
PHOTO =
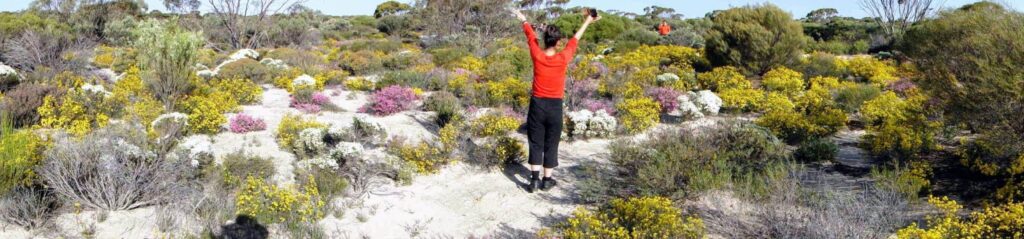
(544, 130)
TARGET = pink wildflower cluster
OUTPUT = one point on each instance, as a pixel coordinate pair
(597, 105)
(667, 97)
(311, 104)
(243, 123)
(390, 100)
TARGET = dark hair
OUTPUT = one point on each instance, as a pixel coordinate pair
(552, 35)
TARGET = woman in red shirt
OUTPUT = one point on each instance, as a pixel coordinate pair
(544, 119)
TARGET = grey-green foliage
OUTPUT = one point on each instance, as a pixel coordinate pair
(755, 38)
(170, 55)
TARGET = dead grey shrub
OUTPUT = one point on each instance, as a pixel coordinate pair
(27, 207)
(113, 168)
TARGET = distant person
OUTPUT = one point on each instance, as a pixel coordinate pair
(544, 119)
(664, 29)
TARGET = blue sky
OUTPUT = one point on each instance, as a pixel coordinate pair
(690, 8)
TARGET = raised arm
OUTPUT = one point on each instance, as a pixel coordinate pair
(586, 23)
(531, 36)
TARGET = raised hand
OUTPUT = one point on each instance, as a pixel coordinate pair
(519, 14)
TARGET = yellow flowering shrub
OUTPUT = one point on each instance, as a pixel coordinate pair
(359, 84)
(774, 101)
(745, 99)
(470, 63)
(448, 136)
(897, 126)
(783, 80)
(828, 82)
(634, 218)
(20, 152)
(639, 114)
(330, 77)
(871, 69)
(723, 78)
(648, 56)
(72, 113)
(244, 91)
(284, 79)
(424, 157)
(511, 91)
(494, 124)
(269, 203)
(104, 57)
(206, 112)
(290, 127)
(1001, 221)
(506, 150)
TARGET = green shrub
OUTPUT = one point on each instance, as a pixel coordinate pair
(237, 166)
(821, 64)
(676, 164)
(610, 26)
(816, 150)
(447, 56)
(634, 218)
(910, 180)
(850, 99)
(755, 38)
(362, 62)
(169, 54)
(328, 181)
(447, 106)
(247, 69)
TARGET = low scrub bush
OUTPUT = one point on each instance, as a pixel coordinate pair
(871, 70)
(390, 100)
(362, 62)
(997, 221)
(910, 180)
(850, 99)
(269, 203)
(77, 112)
(639, 114)
(646, 217)
(113, 168)
(206, 112)
(20, 103)
(510, 92)
(361, 130)
(424, 157)
(723, 78)
(238, 166)
(359, 84)
(666, 97)
(244, 123)
(674, 164)
(816, 150)
(290, 127)
(783, 80)
(447, 106)
(247, 69)
(308, 100)
(27, 207)
(587, 124)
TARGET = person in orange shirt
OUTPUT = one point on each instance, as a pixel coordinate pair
(545, 117)
(664, 29)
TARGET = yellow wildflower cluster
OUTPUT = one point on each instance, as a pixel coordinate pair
(506, 149)
(494, 124)
(871, 69)
(1002, 221)
(244, 91)
(76, 112)
(470, 63)
(639, 114)
(359, 84)
(634, 218)
(20, 152)
(290, 127)
(897, 125)
(424, 157)
(206, 112)
(723, 78)
(783, 80)
(511, 91)
(270, 203)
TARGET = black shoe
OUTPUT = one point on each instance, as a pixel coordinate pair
(547, 184)
(533, 185)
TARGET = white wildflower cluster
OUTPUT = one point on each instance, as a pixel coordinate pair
(319, 162)
(587, 124)
(667, 78)
(311, 142)
(304, 80)
(275, 63)
(95, 89)
(696, 104)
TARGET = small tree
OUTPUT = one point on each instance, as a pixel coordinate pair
(170, 54)
(390, 8)
(896, 16)
(754, 38)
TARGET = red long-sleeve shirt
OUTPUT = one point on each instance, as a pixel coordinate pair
(549, 71)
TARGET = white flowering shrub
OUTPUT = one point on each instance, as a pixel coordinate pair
(688, 109)
(310, 143)
(95, 89)
(275, 64)
(8, 74)
(667, 78)
(244, 53)
(707, 101)
(319, 162)
(587, 124)
(207, 74)
(303, 80)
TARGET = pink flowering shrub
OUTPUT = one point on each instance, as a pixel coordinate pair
(597, 105)
(310, 102)
(667, 97)
(244, 123)
(390, 100)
